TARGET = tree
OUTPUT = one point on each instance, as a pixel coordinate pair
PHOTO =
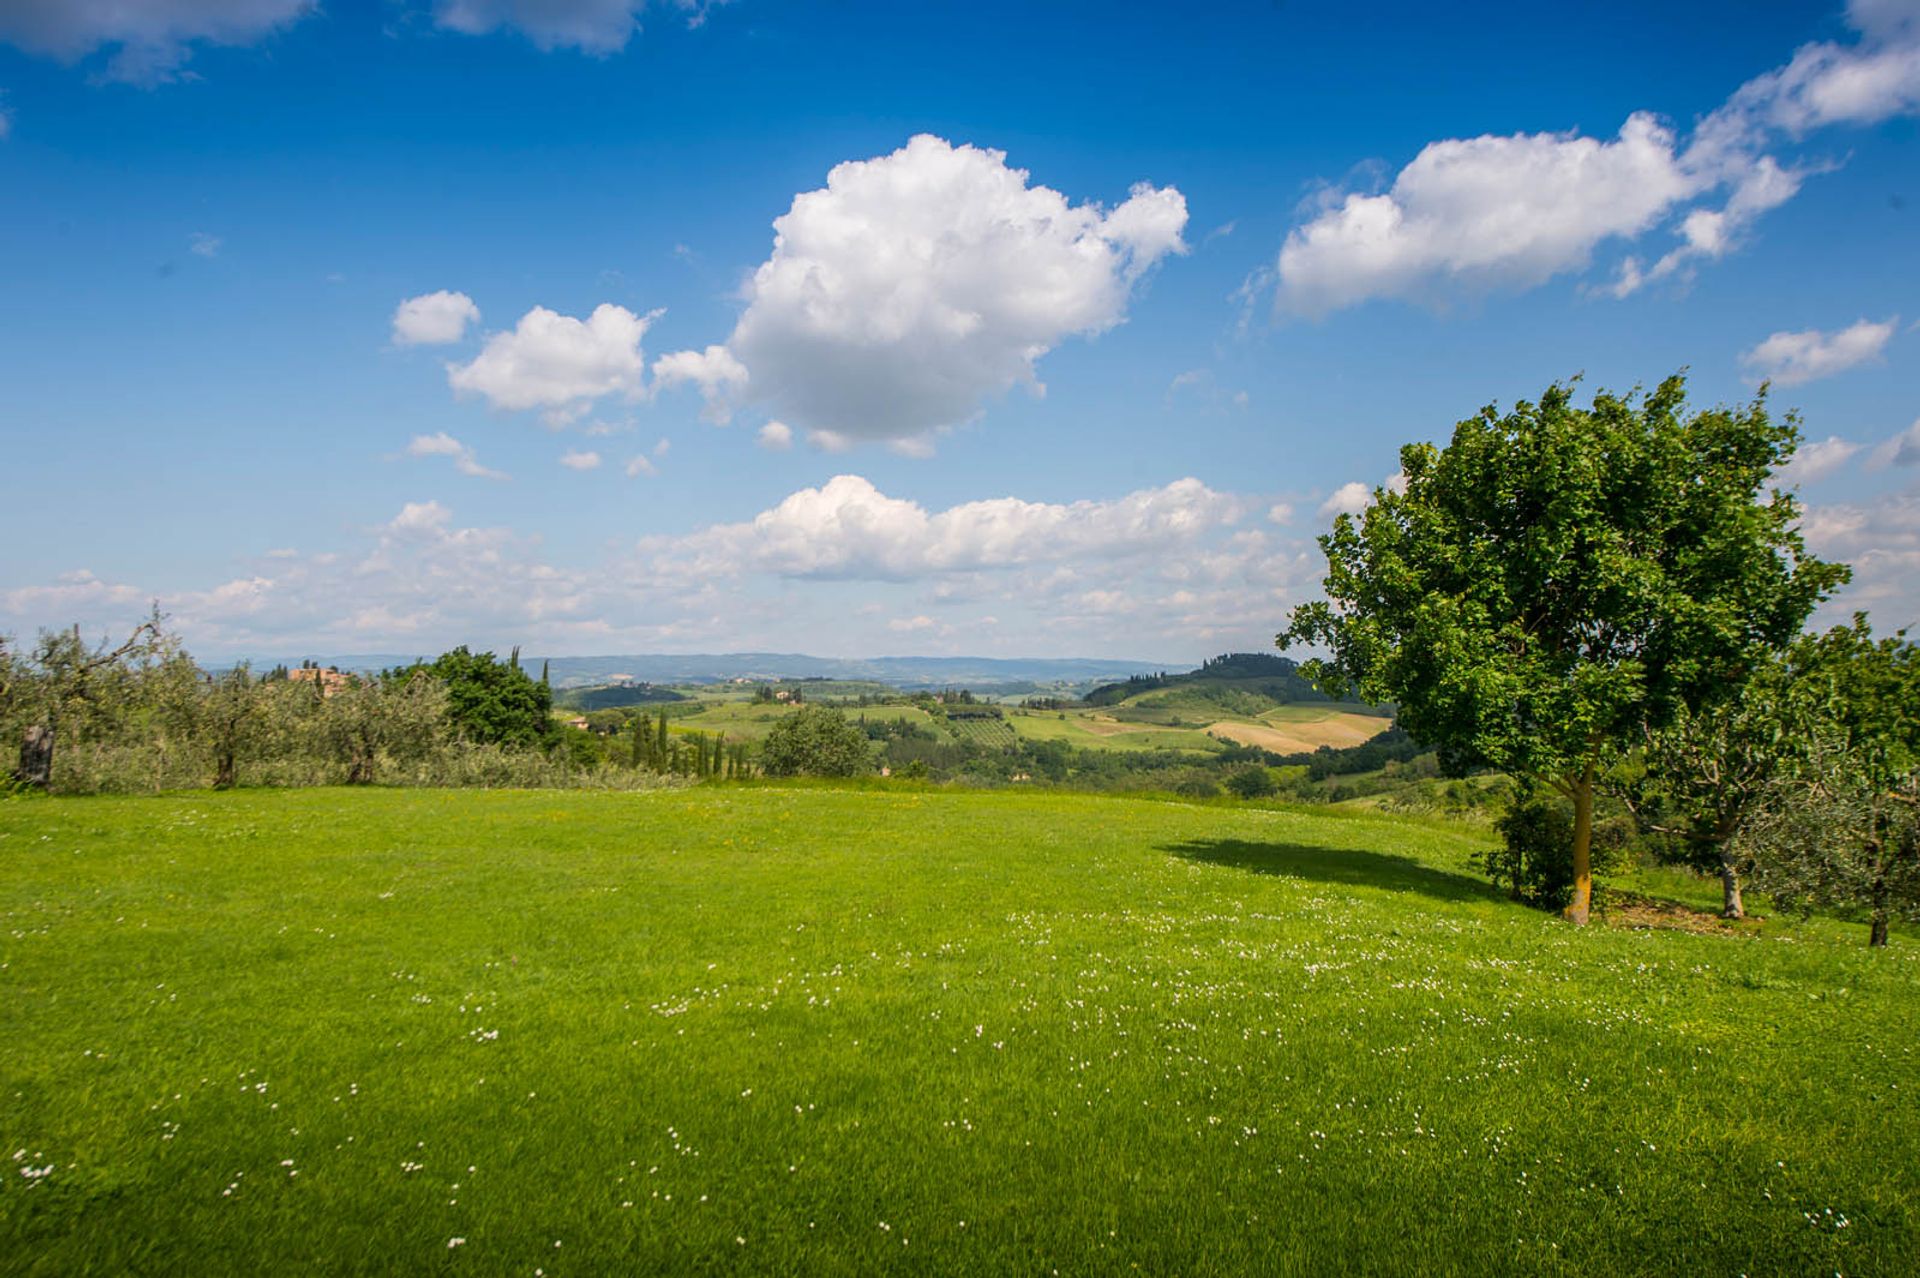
(1558, 580)
(1707, 775)
(1840, 827)
(492, 702)
(815, 741)
(229, 720)
(66, 682)
(397, 716)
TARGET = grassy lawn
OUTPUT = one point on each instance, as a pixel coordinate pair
(853, 1031)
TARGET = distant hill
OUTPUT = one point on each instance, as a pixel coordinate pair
(1236, 683)
(615, 696)
(1026, 674)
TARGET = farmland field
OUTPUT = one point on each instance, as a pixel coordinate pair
(807, 1030)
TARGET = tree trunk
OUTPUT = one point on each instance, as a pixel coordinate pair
(1580, 907)
(1731, 906)
(223, 770)
(36, 757)
(1878, 934)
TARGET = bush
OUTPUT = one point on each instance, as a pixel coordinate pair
(815, 741)
(1535, 860)
(1252, 782)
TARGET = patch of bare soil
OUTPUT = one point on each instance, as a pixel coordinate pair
(1631, 910)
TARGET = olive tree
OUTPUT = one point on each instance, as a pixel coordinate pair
(1840, 826)
(815, 741)
(1558, 579)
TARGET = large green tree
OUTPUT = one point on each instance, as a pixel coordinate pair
(1558, 579)
(494, 702)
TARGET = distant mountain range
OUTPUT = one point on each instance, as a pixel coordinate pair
(901, 672)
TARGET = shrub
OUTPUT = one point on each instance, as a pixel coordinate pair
(815, 741)
(1252, 782)
(1535, 860)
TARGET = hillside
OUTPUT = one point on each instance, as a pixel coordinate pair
(807, 1030)
(1241, 683)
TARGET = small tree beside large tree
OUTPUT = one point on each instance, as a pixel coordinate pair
(1557, 580)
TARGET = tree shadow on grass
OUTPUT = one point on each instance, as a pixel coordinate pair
(1349, 867)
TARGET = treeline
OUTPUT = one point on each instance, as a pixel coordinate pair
(144, 716)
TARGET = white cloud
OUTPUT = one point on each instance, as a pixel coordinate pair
(915, 285)
(420, 517)
(151, 40)
(574, 459)
(847, 528)
(1503, 213)
(1813, 462)
(1161, 572)
(910, 625)
(1827, 84)
(715, 371)
(1280, 513)
(641, 464)
(201, 244)
(829, 441)
(1788, 359)
(776, 437)
(1881, 541)
(1483, 214)
(441, 444)
(1347, 499)
(1902, 450)
(558, 363)
(433, 319)
(597, 27)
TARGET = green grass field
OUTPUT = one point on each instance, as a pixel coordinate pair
(1097, 730)
(800, 1030)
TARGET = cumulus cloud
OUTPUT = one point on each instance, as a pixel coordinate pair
(1813, 462)
(715, 371)
(1902, 450)
(597, 27)
(822, 570)
(201, 244)
(847, 528)
(1347, 499)
(776, 437)
(574, 459)
(1788, 359)
(915, 285)
(441, 444)
(151, 41)
(641, 464)
(1881, 540)
(433, 319)
(558, 363)
(1495, 213)
(1482, 214)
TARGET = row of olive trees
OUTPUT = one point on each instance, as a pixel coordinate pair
(144, 716)
(1565, 594)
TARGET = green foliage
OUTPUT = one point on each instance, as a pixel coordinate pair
(1559, 580)
(1839, 825)
(1557, 577)
(815, 741)
(1534, 862)
(493, 702)
(1252, 781)
(1239, 682)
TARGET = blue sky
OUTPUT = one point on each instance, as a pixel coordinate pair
(1106, 313)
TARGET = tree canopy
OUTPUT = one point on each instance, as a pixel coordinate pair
(1557, 579)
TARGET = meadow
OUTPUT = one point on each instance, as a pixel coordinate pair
(807, 1029)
